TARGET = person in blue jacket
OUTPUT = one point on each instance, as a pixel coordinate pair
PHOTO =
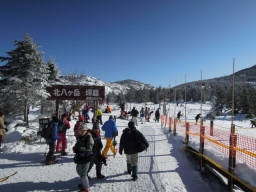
(50, 158)
(110, 132)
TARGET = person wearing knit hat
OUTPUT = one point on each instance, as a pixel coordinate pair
(83, 156)
(84, 127)
(77, 126)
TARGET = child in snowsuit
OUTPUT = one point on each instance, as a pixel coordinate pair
(142, 115)
(83, 151)
(52, 141)
(63, 125)
(131, 142)
(97, 157)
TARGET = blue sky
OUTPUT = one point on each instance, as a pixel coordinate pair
(155, 42)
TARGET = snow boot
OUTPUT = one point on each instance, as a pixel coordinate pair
(100, 176)
(134, 173)
(134, 177)
(129, 168)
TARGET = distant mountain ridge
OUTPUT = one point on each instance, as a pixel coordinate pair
(244, 76)
(115, 87)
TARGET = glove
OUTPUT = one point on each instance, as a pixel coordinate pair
(114, 143)
(6, 130)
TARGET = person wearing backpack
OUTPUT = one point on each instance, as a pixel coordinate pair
(132, 142)
(83, 155)
(63, 125)
(51, 140)
(97, 157)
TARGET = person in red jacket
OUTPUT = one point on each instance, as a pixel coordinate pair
(78, 124)
(63, 125)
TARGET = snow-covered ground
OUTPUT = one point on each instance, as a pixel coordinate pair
(163, 167)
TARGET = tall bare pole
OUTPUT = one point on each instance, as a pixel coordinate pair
(185, 98)
(232, 133)
(169, 88)
(233, 95)
(201, 104)
(174, 112)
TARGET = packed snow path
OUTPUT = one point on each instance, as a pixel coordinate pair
(163, 167)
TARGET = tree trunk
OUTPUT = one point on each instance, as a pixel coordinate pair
(26, 108)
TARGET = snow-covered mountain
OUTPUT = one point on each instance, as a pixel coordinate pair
(134, 84)
(116, 87)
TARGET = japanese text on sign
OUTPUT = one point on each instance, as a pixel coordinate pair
(76, 92)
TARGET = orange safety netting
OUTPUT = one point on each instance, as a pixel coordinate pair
(244, 146)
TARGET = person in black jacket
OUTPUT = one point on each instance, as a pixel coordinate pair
(157, 115)
(97, 157)
(134, 113)
(83, 150)
(197, 117)
(132, 142)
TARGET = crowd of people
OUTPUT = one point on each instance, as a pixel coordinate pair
(89, 150)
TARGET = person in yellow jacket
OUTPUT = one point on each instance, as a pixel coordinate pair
(2, 129)
(99, 116)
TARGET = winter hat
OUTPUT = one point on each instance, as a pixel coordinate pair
(110, 117)
(131, 125)
(84, 127)
(81, 118)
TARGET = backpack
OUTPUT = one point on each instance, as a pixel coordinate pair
(61, 126)
(46, 132)
(140, 145)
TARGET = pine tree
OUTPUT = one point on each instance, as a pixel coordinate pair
(24, 76)
(54, 72)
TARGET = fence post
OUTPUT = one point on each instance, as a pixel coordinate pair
(234, 151)
(170, 124)
(201, 150)
(211, 128)
(175, 124)
(232, 159)
(187, 134)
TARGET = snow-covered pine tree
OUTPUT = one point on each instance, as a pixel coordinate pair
(24, 76)
(54, 72)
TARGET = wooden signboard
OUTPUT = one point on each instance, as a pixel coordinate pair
(76, 92)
